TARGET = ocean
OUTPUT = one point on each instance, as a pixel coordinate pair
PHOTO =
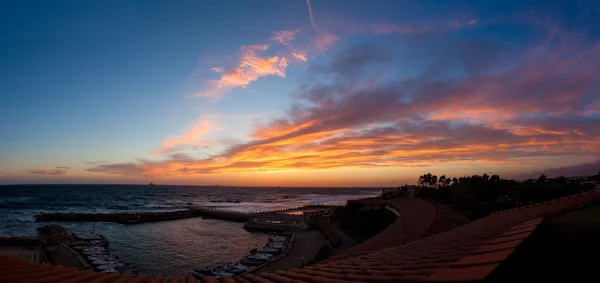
(169, 247)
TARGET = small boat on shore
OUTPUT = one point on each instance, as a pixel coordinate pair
(223, 272)
(253, 262)
(265, 251)
(201, 273)
(277, 239)
(258, 257)
(235, 268)
(275, 245)
(268, 256)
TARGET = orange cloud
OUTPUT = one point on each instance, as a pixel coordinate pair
(300, 56)
(324, 40)
(250, 68)
(192, 136)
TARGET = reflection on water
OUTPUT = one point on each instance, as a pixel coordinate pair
(176, 247)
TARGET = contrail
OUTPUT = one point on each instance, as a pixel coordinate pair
(310, 13)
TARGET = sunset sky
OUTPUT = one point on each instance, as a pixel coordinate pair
(296, 92)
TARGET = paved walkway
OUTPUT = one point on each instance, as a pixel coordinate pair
(347, 242)
(306, 245)
(64, 257)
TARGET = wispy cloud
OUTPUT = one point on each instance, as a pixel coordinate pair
(250, 68)
(388, 28)
(300, 56)
(311, 15)
(192, 136)
(284, 37)
(62, 167)
(48, 172)
(95, 162)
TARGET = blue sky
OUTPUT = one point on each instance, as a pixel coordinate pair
(123, 87)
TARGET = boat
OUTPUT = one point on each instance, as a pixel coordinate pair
(253, 262)
(201, 273)
(223, 272)
(277, 239)
(265, 251)
(275, 245)
(240, 266)
(234, 269)
(269, 256)
(258, 257)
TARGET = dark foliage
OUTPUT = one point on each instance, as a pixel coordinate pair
(361, 224)
(479, 195)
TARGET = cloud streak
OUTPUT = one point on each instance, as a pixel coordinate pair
(390, 28)
(57, 172)
(95, 162)
(311, 15)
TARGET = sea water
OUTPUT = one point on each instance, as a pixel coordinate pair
(169, 247)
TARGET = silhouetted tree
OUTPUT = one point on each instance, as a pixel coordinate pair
(442, 180)
(495, 179)
(433, 181)
(542, 179)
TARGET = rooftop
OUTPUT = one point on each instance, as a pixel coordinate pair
(422, 245)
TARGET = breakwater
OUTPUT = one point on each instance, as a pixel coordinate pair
(142, 217)
(133, 218)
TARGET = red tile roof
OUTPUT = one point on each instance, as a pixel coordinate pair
(465, 254)
(418, 219)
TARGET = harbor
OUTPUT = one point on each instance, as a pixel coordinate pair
(89, 248)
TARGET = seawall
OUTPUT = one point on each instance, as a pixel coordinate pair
(133, 218)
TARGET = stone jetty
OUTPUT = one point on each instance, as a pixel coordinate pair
(133, 218)
(141, 217)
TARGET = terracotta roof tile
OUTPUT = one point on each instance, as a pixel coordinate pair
(240, 279)
(485, 258)
(462, 274)
(157, 279)
(278, 278)
(209, 279)
(498, 246)
(139, 279)
(122, 279)
(224, 279)
(174, 279)
(191, 279)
